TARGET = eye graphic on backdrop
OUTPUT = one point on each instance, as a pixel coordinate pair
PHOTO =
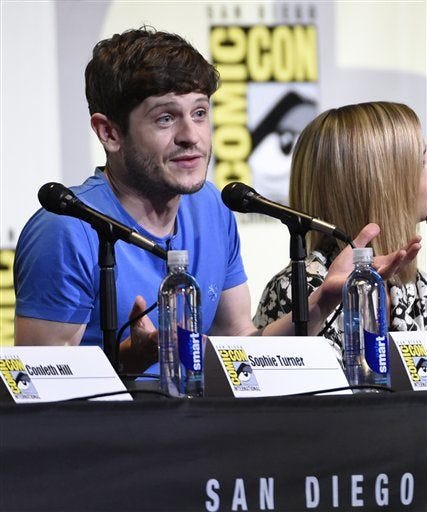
(273, 139)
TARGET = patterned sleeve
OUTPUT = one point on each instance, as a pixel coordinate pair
(408, 304)
(422, 294)
(276, 300)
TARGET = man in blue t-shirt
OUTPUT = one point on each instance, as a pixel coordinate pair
(149, 95)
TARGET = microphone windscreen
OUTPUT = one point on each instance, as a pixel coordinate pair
(54, 197)
(235, 194)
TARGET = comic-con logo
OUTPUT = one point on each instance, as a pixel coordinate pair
(268, 94)
(239, 369)
(415, 359)
(16, 378)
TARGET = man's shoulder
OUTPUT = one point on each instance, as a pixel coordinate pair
(45, 229)
(46, 226)
(94, 189)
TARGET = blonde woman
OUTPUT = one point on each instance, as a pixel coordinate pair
(351, 166)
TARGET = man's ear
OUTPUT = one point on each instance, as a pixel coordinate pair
(108, 133)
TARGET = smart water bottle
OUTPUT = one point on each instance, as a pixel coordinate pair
(180, 341)
(366, 351)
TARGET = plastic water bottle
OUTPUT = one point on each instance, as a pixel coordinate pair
(180, 341)
(366, 351)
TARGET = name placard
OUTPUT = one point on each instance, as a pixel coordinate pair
(49, 374)
(271, 366)
(408, 353)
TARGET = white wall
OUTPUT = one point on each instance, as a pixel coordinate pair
(30, 143)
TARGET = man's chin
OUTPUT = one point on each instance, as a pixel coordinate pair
(190, 188)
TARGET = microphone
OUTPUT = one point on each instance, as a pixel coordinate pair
(242, 198)
(56, 198)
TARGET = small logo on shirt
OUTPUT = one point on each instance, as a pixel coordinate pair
(213, 292)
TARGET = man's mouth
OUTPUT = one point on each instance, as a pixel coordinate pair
(187, 161)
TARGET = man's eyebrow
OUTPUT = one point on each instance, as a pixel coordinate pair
(166, 104)
(172, 103)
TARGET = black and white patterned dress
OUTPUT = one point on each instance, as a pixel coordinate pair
(408, 303)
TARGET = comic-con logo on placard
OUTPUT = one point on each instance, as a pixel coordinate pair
(414, 357)
(16, 378)
(238, 368)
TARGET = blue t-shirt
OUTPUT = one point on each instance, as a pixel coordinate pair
(56, 263)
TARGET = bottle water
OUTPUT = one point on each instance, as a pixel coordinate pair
(366, 352)
(180, 341)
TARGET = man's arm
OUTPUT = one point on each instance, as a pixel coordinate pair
(32, 331)
(134, 357)
(233, 317)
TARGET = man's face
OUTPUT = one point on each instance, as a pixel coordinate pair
(168, 145)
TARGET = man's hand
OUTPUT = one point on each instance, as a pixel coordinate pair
(140, 350)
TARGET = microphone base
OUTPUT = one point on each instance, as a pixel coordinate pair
(141, 388)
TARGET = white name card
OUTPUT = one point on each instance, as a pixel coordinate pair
(411, 348)
(49, 374)
(272, 366)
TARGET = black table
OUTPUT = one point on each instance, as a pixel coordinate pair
(161, 454)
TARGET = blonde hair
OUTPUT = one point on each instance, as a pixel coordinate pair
(359, 164)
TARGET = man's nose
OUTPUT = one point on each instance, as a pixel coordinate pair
(187, 133)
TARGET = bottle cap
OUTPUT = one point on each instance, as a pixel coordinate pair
(177, 258)
(363, 254)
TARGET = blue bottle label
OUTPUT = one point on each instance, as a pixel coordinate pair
(376, 352)
(190, 349)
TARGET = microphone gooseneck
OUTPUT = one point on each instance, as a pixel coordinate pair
(58, 199)
(239, 197)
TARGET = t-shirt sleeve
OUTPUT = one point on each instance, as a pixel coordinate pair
(235, 274)
(55, 269)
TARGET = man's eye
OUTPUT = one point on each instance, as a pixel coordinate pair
(201, 113)
(165, 119)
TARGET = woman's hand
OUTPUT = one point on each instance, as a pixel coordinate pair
(386, 265)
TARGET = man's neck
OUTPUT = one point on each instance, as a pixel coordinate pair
(155, 215)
